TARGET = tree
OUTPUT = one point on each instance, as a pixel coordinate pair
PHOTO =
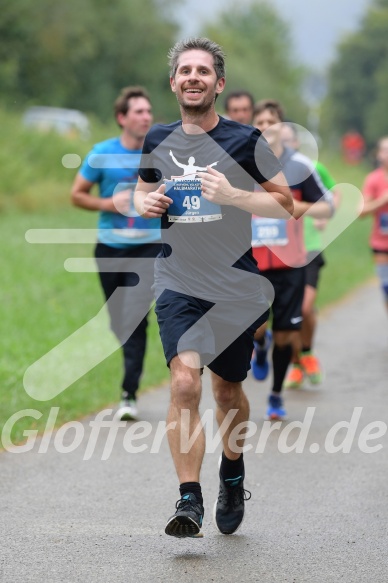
(358, 80)
(259, 55)
(79, 53)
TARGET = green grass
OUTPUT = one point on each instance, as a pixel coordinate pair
(42, 304)
(32, 175)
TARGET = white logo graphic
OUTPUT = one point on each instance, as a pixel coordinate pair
(189, 169)
(296, 320)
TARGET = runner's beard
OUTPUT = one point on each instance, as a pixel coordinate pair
(194, 108)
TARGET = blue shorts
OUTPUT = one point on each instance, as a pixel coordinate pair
(222, 333)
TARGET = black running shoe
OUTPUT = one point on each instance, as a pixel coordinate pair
(187, 520)
(229, 507)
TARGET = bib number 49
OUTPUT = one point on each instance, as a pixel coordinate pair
(191, 202)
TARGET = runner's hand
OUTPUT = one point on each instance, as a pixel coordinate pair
(155, 204)
(216, 187)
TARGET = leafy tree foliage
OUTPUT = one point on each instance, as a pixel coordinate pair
(79, 53)
(358, 80)
(259, 55)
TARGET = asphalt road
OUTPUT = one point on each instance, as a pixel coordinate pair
(317, 516)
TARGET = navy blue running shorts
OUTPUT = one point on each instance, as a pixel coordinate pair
(222, 333)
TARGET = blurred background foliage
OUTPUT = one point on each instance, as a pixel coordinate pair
(358, 80)
(79, 53)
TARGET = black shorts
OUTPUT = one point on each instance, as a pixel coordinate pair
(187, 323)
(289, 291)
(315, 262)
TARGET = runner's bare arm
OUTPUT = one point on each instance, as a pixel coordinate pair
(371, 205)
(274, 201)
(82, 197)
(318, 210)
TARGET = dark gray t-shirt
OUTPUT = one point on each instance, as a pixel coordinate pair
(210, 259)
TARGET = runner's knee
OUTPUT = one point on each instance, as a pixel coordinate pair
(186, 389)
(227, 395)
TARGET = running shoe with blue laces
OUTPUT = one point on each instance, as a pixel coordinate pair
(259, 362)
(187, 520)
(275, 410)
(228, 512)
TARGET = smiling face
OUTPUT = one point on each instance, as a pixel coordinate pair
(195, 82)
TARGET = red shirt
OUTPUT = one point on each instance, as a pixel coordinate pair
(277, 243)
(287, 248)
(376, 184)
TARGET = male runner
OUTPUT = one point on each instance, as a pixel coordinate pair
(279, 250)
(238, 106)
(123, 236)
(209, 298)
(304, 362)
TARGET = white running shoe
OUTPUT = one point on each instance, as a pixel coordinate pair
(127, 410)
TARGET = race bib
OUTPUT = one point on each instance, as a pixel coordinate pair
(383, 223)
(269, 232)
(188, 204)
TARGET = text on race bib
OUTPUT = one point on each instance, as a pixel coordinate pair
(189, 206)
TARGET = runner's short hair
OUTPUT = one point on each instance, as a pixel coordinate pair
(121, 105)
(271, 104)
(237, 95)
(200, 44)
